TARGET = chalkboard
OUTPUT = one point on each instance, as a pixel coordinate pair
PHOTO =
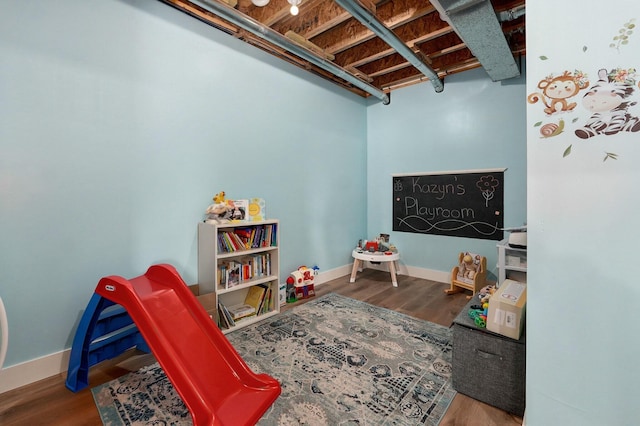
(458, 203)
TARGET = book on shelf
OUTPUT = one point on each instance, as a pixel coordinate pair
(242, 269)
(256, 209)
(222, 321)
(233, 274)
(265, 306)
(225, 319)
(239, 210)
(255, 296)
(241, 311)
(244, 235)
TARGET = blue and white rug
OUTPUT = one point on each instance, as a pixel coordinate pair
(339, 361)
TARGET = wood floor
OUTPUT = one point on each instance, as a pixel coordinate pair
(48, 402)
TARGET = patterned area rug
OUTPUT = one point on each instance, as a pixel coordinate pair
(339, 361)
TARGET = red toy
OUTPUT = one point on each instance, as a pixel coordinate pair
(303, 282)
(371, 246)
(212, 379)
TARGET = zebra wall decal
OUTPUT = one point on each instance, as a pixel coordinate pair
(608, 101)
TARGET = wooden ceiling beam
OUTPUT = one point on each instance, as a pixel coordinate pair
(313, 19)
(201, 14)
(388, 64)
(419, 30)
(351, 32)
(268, 15)
(332, 30)
(444, 62)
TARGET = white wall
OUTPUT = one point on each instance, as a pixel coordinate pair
(119, 121)
(582, 324)
(473, 124)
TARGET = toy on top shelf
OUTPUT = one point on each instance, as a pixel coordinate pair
(470, 273)
(219, 198)
(219, 211)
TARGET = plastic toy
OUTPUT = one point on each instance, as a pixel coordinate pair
(485, 293)
(371, 246)
(303, 280)
(291, 290)
(180, 333)
(479, 317)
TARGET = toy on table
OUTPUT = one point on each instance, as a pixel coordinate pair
(371, 246)
(379, 244)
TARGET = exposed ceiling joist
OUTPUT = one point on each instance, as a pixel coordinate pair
(330, 42)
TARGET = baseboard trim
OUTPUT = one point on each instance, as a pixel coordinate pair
(32, 371)
(37, 369)
(416, 272)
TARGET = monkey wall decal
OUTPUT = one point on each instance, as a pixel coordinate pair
(557, 90)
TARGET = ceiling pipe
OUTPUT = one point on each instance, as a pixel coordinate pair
(266, 33)
(476, 23)
(370, 21)
(512, 14)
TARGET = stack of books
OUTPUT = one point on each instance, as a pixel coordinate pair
(233, 272)
(257, 302)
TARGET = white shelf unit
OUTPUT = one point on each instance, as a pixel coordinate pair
(212, 254)
(512, 263)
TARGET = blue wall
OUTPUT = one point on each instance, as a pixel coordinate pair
(474, 124)
(120, 120)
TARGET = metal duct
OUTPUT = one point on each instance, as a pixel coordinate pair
(371, 21)
(476, 23)
(266, 33)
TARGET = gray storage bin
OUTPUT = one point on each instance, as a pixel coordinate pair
(487, 366)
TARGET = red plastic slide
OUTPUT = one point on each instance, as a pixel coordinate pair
(214, 382)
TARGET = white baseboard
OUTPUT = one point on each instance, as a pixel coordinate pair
(416, 272)
(31, 371)
(28, 372)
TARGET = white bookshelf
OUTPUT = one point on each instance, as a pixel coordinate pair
(263, 262)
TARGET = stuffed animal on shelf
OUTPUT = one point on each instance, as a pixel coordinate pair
(219, 198)
(219, 211)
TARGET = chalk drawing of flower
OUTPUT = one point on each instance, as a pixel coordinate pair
(487, 185)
